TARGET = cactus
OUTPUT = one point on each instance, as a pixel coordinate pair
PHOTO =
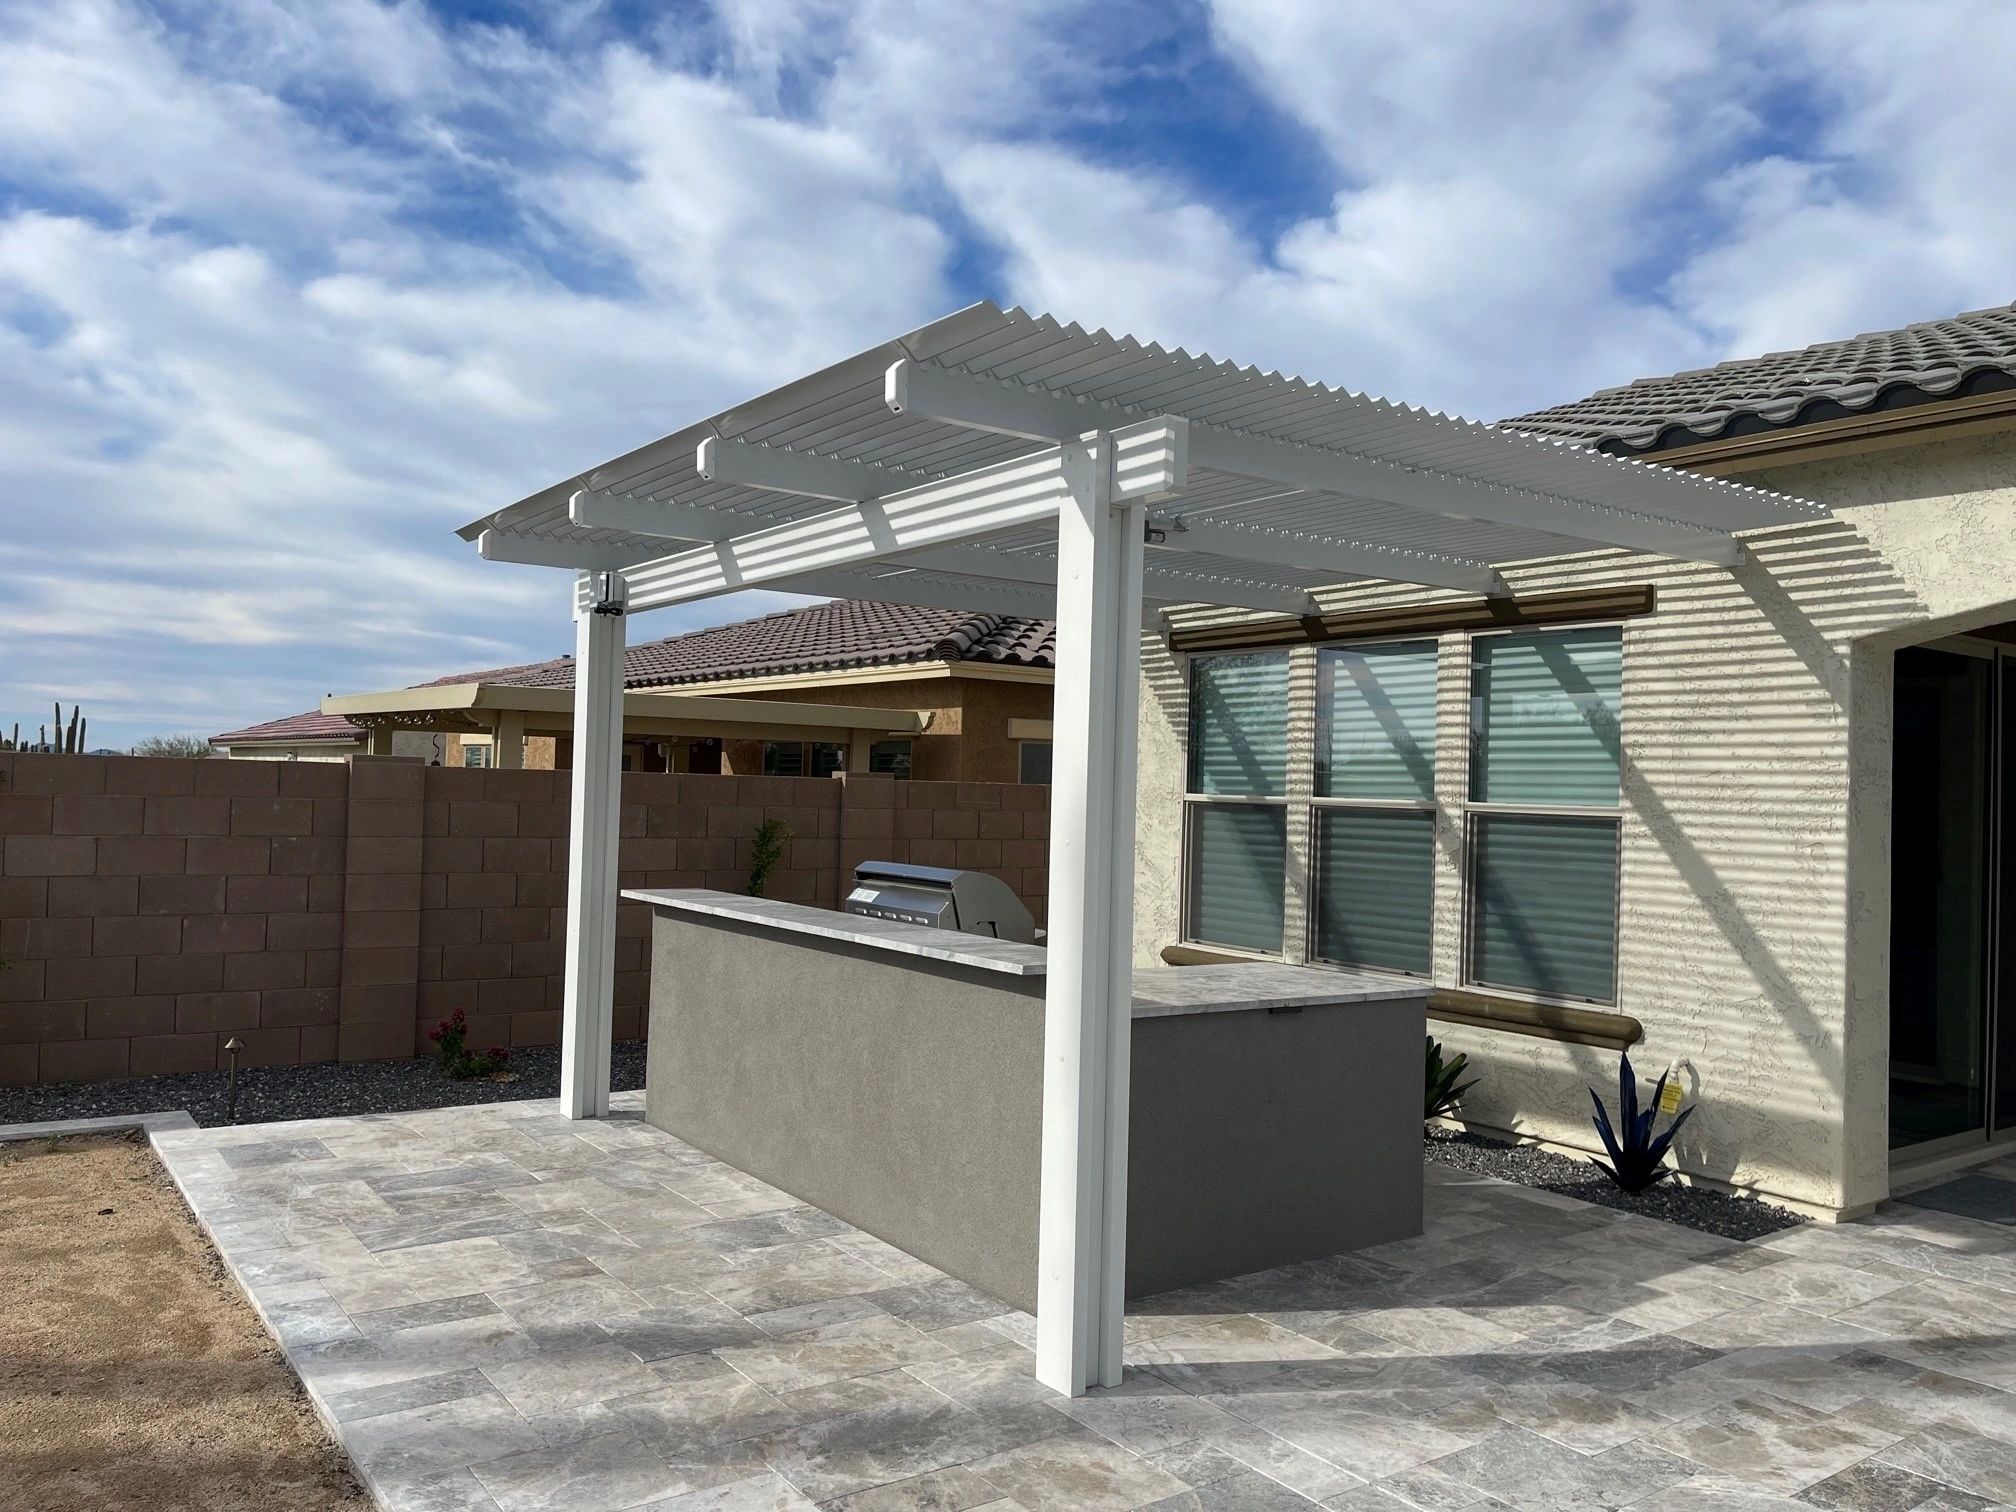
(67, 740)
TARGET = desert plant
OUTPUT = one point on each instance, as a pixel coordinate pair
(772, 835)
(174, 745)
(67, 740)
(1635, 1153)
(1443, 1092)
(453, 1056)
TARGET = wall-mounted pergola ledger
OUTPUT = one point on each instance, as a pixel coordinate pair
(995, 460)
(508, 713)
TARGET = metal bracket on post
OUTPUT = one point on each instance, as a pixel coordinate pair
(610, 592)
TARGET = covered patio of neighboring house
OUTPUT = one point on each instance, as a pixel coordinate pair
(998, 460)
(660, 730)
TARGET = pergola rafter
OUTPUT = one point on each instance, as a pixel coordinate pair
(931, 470)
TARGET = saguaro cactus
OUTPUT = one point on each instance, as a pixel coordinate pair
(66, 739)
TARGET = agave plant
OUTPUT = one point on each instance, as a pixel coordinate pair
(1637, 1156)
(1443, 1093)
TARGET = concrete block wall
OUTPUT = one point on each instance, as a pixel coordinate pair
(152, 909)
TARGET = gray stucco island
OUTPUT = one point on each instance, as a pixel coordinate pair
(892, 1075)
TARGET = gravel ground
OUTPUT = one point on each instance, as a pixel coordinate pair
(328, 1090)
(1694, 1207)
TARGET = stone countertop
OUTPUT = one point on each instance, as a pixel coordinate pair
(1159, 991)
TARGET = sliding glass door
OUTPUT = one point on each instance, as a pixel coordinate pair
(1947, 864)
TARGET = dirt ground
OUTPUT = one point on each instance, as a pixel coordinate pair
(132, 1372)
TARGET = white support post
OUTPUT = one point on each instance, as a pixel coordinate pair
(587, 1018)
(1088, 999)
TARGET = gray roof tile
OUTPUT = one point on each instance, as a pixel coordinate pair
(1935, 359)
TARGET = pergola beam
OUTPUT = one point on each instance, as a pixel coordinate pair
(792, 472)
(987, 499)
(666, 518)
(1170, 586)
(925, 589)
(955, 398)
(530, 551)
(1282, 548)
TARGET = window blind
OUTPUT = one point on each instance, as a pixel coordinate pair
(1544, 718)
(1238, 863)
(1375, 709)
(1239, 725)
(1544, 904)
(1375, 887)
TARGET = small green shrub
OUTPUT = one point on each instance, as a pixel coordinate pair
(772, 835)
(1443, 1091)
(454, 1058)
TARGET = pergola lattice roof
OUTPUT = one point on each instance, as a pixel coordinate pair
(1290, 485)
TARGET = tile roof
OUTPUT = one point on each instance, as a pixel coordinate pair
(835, 636)
(1880, 370)
(295, 727)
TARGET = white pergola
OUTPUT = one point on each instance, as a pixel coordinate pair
(999, 461)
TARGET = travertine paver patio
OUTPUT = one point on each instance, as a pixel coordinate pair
(501, 1309)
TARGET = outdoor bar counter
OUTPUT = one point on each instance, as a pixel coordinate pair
(892, 1075)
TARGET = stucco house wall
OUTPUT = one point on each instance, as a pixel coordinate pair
(1754, 903)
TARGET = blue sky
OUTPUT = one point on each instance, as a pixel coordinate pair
(290, 290)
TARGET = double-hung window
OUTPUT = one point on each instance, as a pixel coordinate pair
(1544, 812)
(1235, 808)
(1373, 822)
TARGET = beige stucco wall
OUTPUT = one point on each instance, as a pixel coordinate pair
(1755, 884)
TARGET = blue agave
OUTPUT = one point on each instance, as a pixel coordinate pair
(1636, 1160)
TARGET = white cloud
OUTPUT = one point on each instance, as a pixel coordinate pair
(289, 288)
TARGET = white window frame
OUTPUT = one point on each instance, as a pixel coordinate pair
(1469, 810)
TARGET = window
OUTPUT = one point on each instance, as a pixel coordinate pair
(828, 757)
(783, 758)
(1033, 758)
(1373, 821)
(475, 755)
(890, 756)
(1235, 810)
(1544, 812)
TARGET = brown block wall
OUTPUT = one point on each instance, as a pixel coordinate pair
(150, 909)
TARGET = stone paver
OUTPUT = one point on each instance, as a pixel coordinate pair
(503, 1311)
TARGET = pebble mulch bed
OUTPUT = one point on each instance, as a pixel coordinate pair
(1694, 1207)
(330, 1089)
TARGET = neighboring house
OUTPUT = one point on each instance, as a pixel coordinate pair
(1755, 822)
(932, 693)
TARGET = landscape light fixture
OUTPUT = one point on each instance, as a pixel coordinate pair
(231, 1048)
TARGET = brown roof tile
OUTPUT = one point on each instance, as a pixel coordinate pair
(842, 634)
(313, 725)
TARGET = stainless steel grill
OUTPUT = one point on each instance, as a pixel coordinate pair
(940, 898)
